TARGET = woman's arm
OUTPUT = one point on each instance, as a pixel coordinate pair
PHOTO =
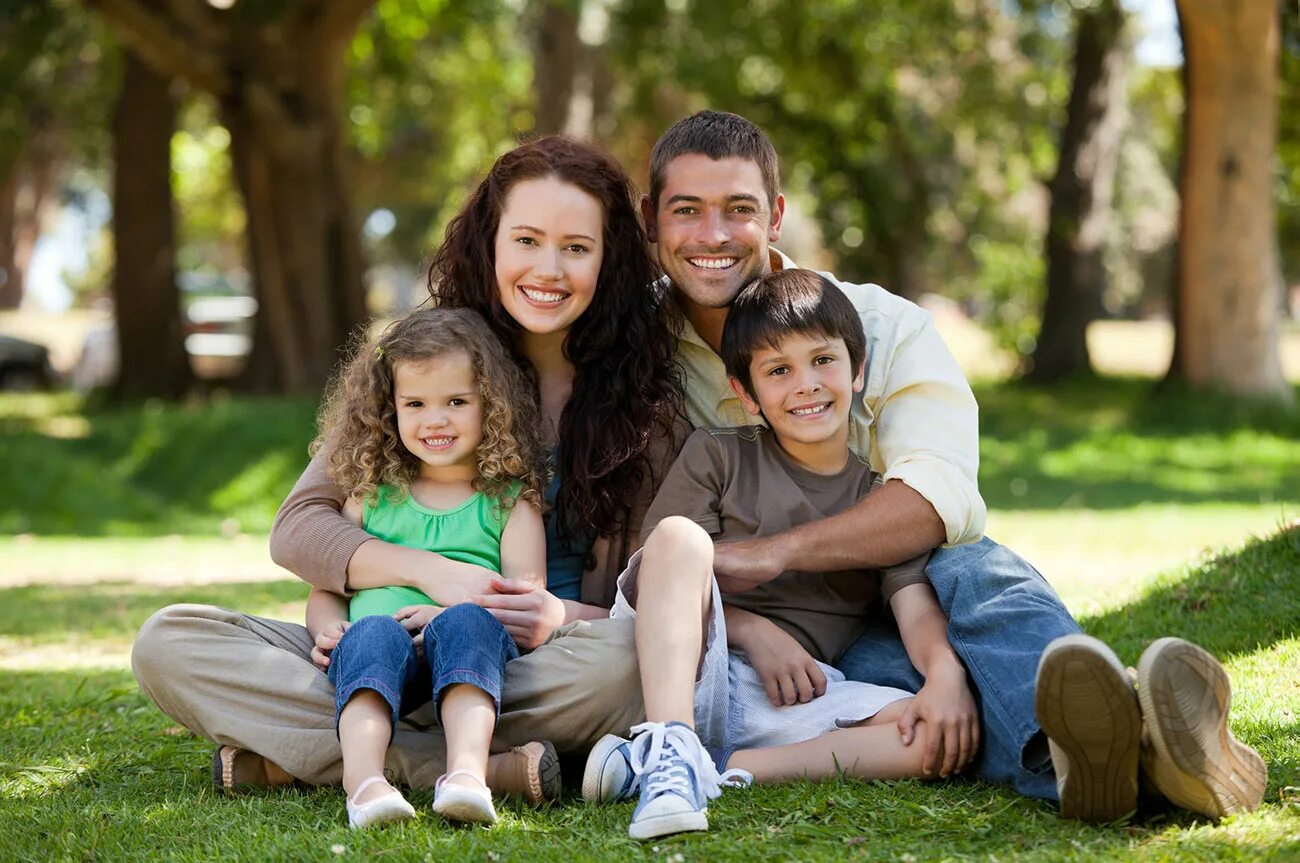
(312, 539)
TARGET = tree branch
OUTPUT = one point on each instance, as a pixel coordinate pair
(166, 43)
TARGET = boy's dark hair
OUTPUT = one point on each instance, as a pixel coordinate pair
(778, 304)
(718, 135)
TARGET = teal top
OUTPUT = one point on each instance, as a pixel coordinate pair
(565, 557)
(469, 533)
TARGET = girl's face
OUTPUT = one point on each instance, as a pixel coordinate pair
(549, 246)
(440, 414)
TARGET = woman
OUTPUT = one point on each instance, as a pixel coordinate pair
(550, 251)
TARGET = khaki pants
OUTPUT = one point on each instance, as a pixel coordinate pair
(247, 681)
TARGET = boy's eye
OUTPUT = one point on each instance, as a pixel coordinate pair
(823, 360)
(778, 370)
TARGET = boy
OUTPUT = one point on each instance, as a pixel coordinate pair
(795, 354)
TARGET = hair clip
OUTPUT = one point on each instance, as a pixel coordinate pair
(379, 352)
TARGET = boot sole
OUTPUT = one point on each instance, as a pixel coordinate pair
(1185, 695)
(1086, 705)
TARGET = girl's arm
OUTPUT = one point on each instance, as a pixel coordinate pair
(327, 620)
(523, 546)
(945, 701)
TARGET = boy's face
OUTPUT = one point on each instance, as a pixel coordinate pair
(804, 388)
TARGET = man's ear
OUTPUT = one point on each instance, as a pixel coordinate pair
(778, 214)
(648, 216)
(751, 406)
(860, 379)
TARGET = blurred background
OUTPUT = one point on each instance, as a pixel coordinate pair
(1099, 201)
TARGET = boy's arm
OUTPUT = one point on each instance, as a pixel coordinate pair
(945, 701)
(927, 431)
(312, 539)
(788, 671)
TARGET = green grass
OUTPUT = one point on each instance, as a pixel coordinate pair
(1116, 493)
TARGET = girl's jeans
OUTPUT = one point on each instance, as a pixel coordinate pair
(1001, 614)
(463, 644)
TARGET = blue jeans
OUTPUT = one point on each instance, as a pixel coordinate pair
(1001, 615)
(463, 644)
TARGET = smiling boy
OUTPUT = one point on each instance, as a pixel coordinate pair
(795, 350)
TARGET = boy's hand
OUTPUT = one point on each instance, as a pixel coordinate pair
(326, 640)
(788, 672)
(952, 731)
(744, 565)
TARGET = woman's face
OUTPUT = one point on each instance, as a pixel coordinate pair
(549, 246)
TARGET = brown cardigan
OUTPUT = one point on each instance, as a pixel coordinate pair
(311, 539)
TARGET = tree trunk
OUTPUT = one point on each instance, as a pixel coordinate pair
(555, 63)
(150, 335)
(1229, 279)
(278, 75)
(1081, 191)
(24, 198)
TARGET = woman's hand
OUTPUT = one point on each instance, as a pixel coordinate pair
(529, 613)
(326, 640)
(414, 618)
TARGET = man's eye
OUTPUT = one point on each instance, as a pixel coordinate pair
(743, 209)
(684, 211)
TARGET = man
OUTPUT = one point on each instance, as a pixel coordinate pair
(713, 209)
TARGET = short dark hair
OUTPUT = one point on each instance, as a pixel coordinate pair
(718, 135)
(778, 304)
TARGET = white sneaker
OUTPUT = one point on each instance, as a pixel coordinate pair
(676, 777)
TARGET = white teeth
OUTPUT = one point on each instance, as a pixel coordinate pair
(437, 441)
(543, 296)
(803, 412)
(712, 263)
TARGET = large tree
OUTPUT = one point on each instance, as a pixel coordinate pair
(276, 70)
(151, 340)
(1082, 189)
(1227, 295)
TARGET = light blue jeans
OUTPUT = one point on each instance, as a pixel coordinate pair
(1001, 615)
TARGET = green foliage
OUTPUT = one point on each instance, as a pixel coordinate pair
(210, 214)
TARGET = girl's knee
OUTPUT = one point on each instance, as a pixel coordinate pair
(376, 630)
(466, 620)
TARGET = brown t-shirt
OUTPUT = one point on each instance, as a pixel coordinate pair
(738, 483)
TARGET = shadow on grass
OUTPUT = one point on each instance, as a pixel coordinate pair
(1234, 604)
(117, 609)
(1105, 443)
(150, 469)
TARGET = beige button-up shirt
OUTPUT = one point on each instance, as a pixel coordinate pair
(915, 420)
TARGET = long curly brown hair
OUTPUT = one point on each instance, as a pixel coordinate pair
(626, 388)
(358, 418)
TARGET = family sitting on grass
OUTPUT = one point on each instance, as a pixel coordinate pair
(507, 517)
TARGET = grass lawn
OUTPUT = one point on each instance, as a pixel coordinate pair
(1151, 513)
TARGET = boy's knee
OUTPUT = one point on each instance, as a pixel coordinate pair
(679, 537)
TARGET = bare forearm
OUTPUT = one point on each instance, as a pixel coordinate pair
(923, 628)
(887, 527)
(324, 608)
(574, 610)
(381, 564)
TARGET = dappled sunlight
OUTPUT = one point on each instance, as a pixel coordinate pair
(17, 654)
(20, 779)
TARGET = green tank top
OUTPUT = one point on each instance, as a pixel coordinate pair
(469, 533)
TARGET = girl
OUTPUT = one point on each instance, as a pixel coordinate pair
(432, 433)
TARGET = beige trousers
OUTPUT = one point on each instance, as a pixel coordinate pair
(248, 681)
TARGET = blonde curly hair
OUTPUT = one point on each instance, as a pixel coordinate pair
(358, 418)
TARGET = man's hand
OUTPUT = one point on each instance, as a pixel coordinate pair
(529, 613)
(744, 565)
(326, 640)
(952, 731)
(414, 618)
(788, 672)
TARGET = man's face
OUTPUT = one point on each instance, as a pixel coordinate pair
(712, 226)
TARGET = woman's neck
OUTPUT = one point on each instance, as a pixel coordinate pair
(546, 352)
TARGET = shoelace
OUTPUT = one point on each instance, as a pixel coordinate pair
(665, 755)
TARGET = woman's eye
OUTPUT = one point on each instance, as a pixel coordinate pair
(577, 247)
(527, 241)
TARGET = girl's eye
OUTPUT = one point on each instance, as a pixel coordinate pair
(457, 402)
(415, 404)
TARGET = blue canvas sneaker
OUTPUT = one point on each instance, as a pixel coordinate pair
(677, 779)
(608, 776)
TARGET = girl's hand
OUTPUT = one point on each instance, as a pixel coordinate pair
(414, 618)
(529, 613)
(326, 640)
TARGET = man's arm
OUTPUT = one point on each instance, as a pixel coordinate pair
(313, 540)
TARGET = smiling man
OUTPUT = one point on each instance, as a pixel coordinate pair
(713, 209)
